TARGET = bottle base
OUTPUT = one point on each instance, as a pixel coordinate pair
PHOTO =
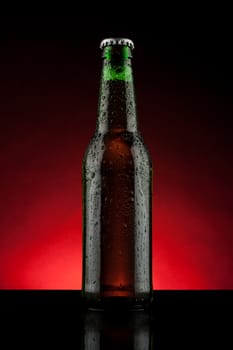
(116, 304)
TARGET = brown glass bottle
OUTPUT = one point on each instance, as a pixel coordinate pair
(117, 175)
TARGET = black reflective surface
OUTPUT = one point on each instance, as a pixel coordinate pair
(181, 319)
(101, 330)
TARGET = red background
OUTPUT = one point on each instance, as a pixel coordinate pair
(50, 70)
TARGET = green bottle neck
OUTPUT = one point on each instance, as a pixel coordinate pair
(117, 110)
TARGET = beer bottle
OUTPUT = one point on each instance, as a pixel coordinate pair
(116, 175)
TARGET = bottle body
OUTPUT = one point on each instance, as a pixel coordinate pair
(117, 175)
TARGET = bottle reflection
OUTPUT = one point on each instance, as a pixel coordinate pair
(116, 331)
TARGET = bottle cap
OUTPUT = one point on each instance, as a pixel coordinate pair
(116, 41)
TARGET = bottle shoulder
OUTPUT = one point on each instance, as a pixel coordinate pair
(130, 138)
(116, 145)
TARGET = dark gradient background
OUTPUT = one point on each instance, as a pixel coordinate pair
(49, 81)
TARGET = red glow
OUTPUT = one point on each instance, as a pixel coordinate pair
(41, 241)
(44, 134)
(49, 263)
(182, 259)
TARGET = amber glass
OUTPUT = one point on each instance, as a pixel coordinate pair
(117, 175)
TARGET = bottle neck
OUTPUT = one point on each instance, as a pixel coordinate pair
(117, 110)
